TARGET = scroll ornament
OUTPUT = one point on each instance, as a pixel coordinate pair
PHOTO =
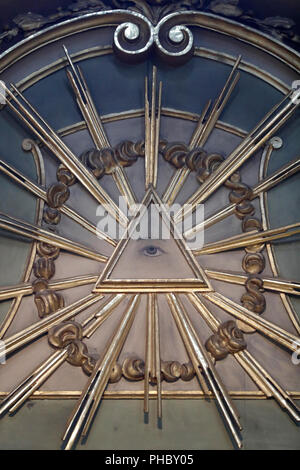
(229, 339)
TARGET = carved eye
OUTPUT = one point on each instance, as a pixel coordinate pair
(152, 250)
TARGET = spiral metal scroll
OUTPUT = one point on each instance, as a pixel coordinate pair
(133, 41)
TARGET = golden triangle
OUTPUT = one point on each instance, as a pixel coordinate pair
(124, 274)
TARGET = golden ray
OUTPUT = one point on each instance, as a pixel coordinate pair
(269, 283)
(101, 315)
(270, 330)
(30, 384)
(264, 130)
(38, 191)
(152, 129)
(214, 324)
(249, 239)
(148, 353)
(35, 123)
(203, 361)
(175, 184)
(258, 374)
(9, 292)
(85, 104)
(35, 232)
(152, 362)
(24, 390)
(123, 182)
(263, 377)
(280, 175)
(190, 348)
(263, 186)
(147, 135)
(123, 185)
(95, 126)
(34, 331)
(86, 407)
(202, 131)
(157, 357)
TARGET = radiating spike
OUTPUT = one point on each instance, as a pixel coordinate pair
(269, 283)
(32, 332)
(277, 177)
(219, 105)
(124, 186)
(28, 386)
(112, 354)
(256, 372)
(270, 330)
(147, 135)
(175, 184)
(268, 183)
(200, 125)
(210, 319)
(180, 176)
(228, 411)
(249, 239)
(148, 352)
(214, 324)
(252, 142)
(73, 215)
(9, 292)
(209, 221)
(193, 331)
(262, 376)
(23, 180)
(191, 352)
(101, 315)
(153, 362)
(152, 315)
(86, 104)
(157, 357)
(86, 113)
(157, 134)
(35, 189)
(95, 126)
(53, 142)
(271, 112)
(24, 390)
(30, 106)
(35, 232)
(203, 131)
(93, 110)
(152, 130)
(81, 418)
